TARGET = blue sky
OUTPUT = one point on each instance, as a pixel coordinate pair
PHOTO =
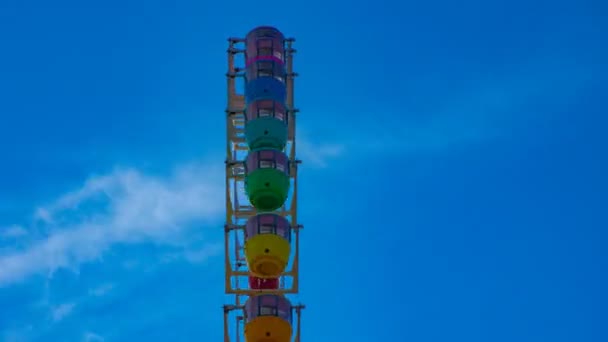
(453, 186)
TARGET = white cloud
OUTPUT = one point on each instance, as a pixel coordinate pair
(202, 254)
(92, 337)
(194, 255)
(138, 208)
(477, 112)
(13, 231)
(101, 290)
(62, 311)
(43, 215)
(317, 155)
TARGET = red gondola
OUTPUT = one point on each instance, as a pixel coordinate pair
(256, 283)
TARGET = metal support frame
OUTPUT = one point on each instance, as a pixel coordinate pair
(238, 209)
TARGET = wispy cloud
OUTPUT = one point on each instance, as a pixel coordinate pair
(61, 311)
(92, 337)
(318, 155)
(480, 110)
(101, 290)
(13, 231)
(125, 206)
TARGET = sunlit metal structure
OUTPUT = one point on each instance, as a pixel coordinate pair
(262, 229)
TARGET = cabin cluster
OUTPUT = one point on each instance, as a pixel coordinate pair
(268, 317)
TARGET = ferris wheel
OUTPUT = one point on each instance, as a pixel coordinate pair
(262, 229)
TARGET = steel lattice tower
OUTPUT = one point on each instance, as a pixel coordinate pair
(240, 279)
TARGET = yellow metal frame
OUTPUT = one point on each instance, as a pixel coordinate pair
(237, 213)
